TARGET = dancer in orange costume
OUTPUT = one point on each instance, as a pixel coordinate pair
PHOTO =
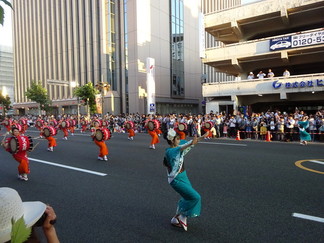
(103, 152)
(131, 134)
(51, 140)
(72, 125)
(24, 125)
(155, 138)
(7, 124)
(20, 157)
(182, 135)
(207, 130)
(129, 126)
(39, 125)
(152, 126)
(64, 128)
(84, 125)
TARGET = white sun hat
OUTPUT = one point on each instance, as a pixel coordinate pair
(11, 206)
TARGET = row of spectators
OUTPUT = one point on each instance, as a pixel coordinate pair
(283, 126)
(262, 75)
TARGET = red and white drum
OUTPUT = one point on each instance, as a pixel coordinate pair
(129, 125)
(72, 123)
(39, 123)
(84, 122)
(49, 131)
(182, 127)
(65, 124)
(208, 125)
(105, 123)
(19, 144)
(102, 134)
(23, 121)
(152, 125)
(18, 126)
(96, 120)
(53, 123)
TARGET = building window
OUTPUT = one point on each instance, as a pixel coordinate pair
(111, 44)
(177, 52)
(126, 55)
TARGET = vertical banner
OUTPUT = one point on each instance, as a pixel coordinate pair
(99, 103)
(201, 35)
(150, 85)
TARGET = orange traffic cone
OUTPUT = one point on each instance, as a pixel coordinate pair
(238, 136)
(268, 137)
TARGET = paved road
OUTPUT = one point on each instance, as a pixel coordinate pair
(250, 190)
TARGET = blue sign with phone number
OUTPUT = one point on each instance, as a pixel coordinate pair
(298, 40)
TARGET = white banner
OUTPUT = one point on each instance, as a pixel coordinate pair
(150, 85)
(201, 36)
(307, 39)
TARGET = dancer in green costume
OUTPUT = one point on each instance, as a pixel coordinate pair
(190, 203)
(304, 136)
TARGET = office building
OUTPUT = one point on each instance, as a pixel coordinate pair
(63, 43)
(7, 72)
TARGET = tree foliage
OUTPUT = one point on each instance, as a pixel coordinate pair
(2, 14)
(5, 100)
(38, 94)
(87, 93)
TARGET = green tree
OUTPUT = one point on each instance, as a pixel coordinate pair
(2, 14)
(87, 93)
(38, 94)
(5, 102)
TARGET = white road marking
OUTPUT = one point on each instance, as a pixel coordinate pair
(304, 216)
(68, 167)
(227, 144)
(318, 162)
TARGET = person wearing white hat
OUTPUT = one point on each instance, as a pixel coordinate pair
(250, 76)
(12, 208)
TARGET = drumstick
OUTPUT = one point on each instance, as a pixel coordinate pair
(2, 142)
(35, 147)
(5, 135)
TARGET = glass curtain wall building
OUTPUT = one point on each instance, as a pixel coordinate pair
(6, 70)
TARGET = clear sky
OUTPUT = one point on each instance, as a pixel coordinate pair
(6, 29)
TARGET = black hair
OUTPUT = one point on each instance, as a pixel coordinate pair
(14, 128)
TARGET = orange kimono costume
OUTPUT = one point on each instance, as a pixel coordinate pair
(23, 167)
(210, 135)
(131, 133)
(155, 138)
(103, 152)
(181, 134)
(103, 149)
(84, 127)
(65, 132)
(21, 158)
(51, 143)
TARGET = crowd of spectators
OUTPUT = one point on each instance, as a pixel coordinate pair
(282, 126)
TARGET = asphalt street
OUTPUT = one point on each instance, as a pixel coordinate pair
(251, 191)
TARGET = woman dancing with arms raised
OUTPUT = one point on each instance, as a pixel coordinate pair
(190, 203)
